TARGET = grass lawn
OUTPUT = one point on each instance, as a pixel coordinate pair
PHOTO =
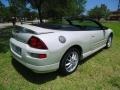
(98, 72)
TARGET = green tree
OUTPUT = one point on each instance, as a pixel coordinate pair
(99, 12)
(4, 12)
(2, 9)
(1, 5)
(81, 6)
(16, 7)
(36, 4)
(57, 8)
(33, 15)
(29, 14)
(61, 8)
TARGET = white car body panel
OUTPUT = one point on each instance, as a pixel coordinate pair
(89, 41)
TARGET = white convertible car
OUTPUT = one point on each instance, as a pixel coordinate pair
(46, 48)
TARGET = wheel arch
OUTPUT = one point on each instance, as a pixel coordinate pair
(73, 46)
(111, 34)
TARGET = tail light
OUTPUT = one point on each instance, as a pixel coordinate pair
(35, 42)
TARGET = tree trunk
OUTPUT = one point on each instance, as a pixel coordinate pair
(40, 15)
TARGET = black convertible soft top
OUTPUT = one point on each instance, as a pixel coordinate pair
(57, 26)
(70, 26)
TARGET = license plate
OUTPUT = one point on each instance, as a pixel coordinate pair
(16, 49)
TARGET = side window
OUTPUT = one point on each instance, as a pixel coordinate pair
(86, 24)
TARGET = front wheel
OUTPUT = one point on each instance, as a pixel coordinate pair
(70, 61)
(109, 42)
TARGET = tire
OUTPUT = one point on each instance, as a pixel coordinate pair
(109, 42)
(70, 61)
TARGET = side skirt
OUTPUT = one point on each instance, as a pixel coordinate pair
(91, 52)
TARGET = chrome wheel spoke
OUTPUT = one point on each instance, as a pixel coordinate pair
(69, 67)
(72, 61)
(69, 60)
(67, 64)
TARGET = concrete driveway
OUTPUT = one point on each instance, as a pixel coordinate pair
(4, 25)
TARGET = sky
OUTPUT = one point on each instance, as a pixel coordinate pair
(111, 4)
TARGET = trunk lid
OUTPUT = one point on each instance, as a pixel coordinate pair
(36, 29)
(23, 33)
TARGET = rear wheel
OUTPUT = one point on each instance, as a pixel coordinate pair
(70, 61)
(109, 42)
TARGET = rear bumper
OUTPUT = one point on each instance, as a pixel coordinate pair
(38, 69)
(37, 65)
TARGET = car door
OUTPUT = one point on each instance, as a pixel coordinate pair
(98, 38)
(97, 33)
(93, 34)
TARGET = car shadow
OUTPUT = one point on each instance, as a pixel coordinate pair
(90, 57)
(42, 78)
(31, 76)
